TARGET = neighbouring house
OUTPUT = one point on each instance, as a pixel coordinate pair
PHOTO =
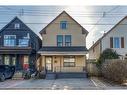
(63, 46)
(18, 45)
(115, 38)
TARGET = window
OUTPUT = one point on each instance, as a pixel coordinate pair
(69, 61)
(67, 40)
(63, 25)
(16, 25)
(6, 60)
(9, 40)
(59, 40)
(116, 42)
(23, 42)
(26, 60)
(13, 60)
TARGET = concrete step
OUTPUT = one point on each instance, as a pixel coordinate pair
(50, 76)
(17, 75)
(71, 75)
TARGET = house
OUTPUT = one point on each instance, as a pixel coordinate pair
(115, 38)
(63, 46)
(18, 45)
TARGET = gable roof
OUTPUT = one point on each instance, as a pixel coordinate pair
(107, 33)
(15, 18)
(83, 29)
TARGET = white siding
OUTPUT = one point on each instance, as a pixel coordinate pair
(118, 31)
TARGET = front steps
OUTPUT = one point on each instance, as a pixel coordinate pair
(50, 76)
(17, 75)
(71, 75)
(58, 75)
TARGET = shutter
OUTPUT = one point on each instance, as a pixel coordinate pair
(111, 42)
(122, 42)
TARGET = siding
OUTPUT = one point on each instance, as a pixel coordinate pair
(118, 31)
(94, 53)
(78, 39)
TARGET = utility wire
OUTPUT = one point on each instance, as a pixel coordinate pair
(70, 23)
(103, 17)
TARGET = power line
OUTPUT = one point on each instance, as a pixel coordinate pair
(79, 13)
(72, 23)
(103, 17)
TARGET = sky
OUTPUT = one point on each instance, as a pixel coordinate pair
(97, 20)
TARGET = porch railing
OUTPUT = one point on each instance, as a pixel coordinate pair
(70, 69)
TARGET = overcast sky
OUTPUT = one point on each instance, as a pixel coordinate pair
(95, 19)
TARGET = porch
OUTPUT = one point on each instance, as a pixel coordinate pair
(62, 63)
(62, 66)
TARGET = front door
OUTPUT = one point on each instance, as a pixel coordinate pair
(48, 64)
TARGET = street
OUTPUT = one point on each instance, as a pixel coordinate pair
(58, 84)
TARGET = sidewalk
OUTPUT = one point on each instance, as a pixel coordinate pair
(106, 85)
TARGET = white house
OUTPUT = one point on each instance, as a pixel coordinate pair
(115, 38)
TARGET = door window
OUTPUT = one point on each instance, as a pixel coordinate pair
(48, 63)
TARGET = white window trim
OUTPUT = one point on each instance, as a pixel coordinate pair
(8, 35)
(18, 26)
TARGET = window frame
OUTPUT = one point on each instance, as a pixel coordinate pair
(16, 26)
(68, 42)
(22, 44)
(62, 23)
(58, 42)
(115, 43)
(7, 60)
(69, 58)
(9, 39)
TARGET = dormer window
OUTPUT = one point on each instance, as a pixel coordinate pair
(17, 26)
(63, 25)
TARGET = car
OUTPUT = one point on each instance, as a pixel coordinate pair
(6, 72)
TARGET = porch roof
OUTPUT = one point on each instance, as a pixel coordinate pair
(73, 50)
(15, 50)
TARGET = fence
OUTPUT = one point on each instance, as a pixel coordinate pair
(93, 70)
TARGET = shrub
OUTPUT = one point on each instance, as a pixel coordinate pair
(115, 70)
(107, 54)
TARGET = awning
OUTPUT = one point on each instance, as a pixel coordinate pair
(63, 50)
(15, 50)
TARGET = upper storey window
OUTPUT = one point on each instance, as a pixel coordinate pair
(59, 40)
(17, 26)
(9, 40)
(116, 42)
(63, 25)
(67, 40)
(24, 42)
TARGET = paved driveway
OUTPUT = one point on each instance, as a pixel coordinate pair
(73, 83)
